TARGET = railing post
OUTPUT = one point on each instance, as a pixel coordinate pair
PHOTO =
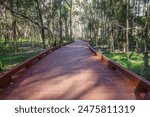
(147, 96)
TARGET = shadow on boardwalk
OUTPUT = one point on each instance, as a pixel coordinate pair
(71, 72)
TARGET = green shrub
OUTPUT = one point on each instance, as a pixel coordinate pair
(135, 64)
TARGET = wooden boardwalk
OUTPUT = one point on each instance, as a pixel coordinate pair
(71, 72)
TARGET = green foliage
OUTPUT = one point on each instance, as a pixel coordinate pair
(1, 40)
(10, 60)
(135, 64)
(91, 24)
(65, 12)
(103, 41)
(8, 57)
(6, 48)
(140, 20)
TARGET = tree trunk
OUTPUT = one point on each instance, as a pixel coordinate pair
(127, 31)
(111, 42)
(66, 29)
(71, 21)
(60, 21)
(14, 25)
(145, 37)
(146, 59)
(42, 30)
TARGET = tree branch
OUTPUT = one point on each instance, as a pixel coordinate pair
(68, 3)
(25, 17)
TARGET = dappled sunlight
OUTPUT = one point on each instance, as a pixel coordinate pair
(75, 74)
(60, 85)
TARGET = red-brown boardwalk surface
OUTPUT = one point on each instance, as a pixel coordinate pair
(71, 72)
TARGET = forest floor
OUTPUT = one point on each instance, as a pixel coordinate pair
(135, 64)
(9, 58)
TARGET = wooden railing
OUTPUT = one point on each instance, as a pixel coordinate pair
(6, 78)
(137, 82)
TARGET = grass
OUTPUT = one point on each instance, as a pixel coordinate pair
(135, 64)
(9, 59)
